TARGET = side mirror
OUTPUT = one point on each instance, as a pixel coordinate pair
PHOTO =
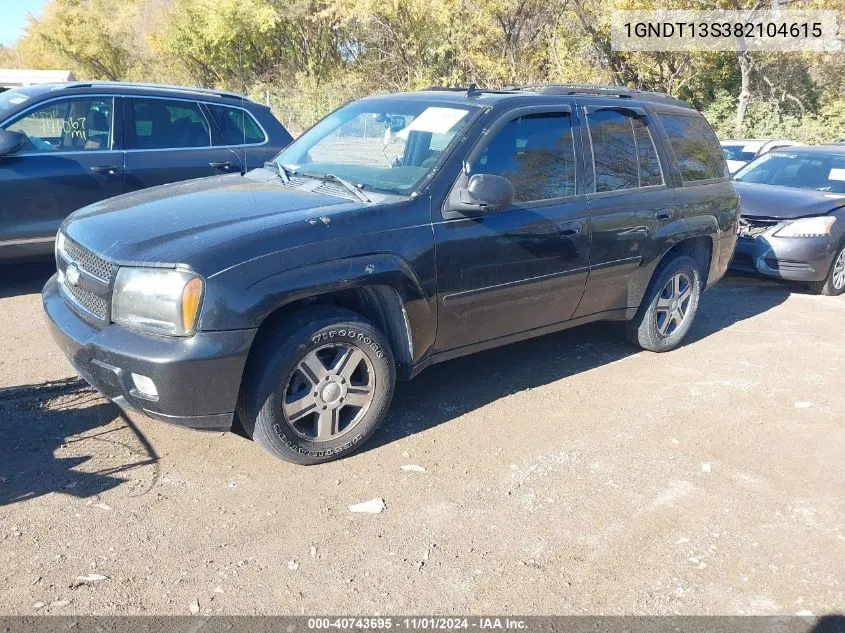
(484, 193)
(11, 142)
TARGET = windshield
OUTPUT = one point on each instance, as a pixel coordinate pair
(820, 172)
(10, 100)
(738, 151)
(384, 144)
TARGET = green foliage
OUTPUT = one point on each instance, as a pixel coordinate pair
(308, 57)
(772, 119)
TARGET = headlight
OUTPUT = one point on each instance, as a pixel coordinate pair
(157, 300)
(808, 227)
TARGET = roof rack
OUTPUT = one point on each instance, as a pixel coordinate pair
(148, 86)
(600, 89)
(618, 92)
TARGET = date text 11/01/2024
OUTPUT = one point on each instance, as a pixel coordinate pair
(417, 623)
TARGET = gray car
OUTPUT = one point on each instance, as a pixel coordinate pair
(793, 217)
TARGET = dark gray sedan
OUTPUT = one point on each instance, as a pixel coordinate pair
(793, 217)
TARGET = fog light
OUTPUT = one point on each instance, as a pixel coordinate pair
(145, 386)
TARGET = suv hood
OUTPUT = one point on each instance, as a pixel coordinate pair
(784, 203)
(172, 224)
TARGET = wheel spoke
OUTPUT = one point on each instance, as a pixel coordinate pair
(313, 368)
(676, 286)
(358, 396)
(685, 294)
(327, 424)
(663, 304)
(662, 327)
(298, 409)
(348, 362)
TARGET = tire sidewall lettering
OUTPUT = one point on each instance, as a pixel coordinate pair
(349, 333)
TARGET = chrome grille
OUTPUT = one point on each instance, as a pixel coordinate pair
(97, 306)
(88, 261)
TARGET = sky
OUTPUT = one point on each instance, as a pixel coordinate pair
(13, 15)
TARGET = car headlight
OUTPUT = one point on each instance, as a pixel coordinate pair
(807, 227)
(157, 300)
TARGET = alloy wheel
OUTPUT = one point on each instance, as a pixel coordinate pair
(673, 304)
(328, 392)
(839, 271)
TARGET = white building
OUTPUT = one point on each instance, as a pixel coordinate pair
(13, 78)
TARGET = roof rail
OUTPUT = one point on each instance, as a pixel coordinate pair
(602, 89)
(149, 86)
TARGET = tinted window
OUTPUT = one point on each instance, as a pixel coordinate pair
(623, 151)
(696, 147)
(161, 124)
(536, 153)
(738, 152)
(237, 126)
(70, 125)
(821, 172)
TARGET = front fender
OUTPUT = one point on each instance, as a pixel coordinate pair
(251, 304)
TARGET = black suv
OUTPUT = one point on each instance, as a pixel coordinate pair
(400, 231)
(65, 146)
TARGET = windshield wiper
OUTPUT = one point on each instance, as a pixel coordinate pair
(284, 172)
(352, 188)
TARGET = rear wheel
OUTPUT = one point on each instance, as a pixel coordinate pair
(669, 306)
(319, 388)
(834, 283)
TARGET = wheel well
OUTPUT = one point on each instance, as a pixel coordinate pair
(700, 249)
(380, 305)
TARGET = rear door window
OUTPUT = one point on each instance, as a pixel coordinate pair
(168, 124)
(624, 154)
(67, 125)
(536, 153)
(696, 147)
(237, 126)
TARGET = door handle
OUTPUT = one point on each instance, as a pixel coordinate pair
(663, 214)
(568, 229)
(224, 165)
(106, 170)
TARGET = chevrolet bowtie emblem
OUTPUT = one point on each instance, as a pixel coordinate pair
(72, 274)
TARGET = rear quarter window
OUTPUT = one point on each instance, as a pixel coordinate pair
(237, 126)
(696, 147)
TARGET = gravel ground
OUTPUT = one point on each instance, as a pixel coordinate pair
(565, 475)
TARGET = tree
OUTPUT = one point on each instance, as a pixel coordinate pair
(88, 36)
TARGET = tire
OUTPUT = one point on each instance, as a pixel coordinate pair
(668, 310)
(834, 284)
(319, 386)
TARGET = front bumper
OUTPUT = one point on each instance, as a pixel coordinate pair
(791, 258)
(197, 378)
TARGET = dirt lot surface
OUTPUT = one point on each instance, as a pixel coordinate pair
(565, 475)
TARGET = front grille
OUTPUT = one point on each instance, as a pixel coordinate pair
(90, 294)
(88, 261)
(750, 228)
(97, 306)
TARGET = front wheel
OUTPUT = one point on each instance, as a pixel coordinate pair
(834, 283)
(669, 306)
(319, 387)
